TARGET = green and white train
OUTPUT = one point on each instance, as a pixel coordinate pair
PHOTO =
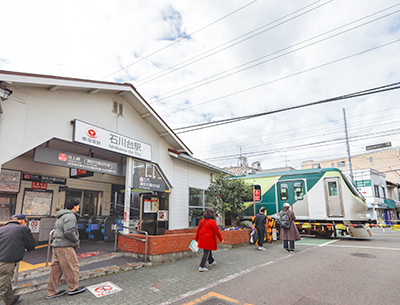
(323, 200)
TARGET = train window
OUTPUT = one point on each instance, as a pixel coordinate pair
(332, 186)
(283, 192)
(298, 191)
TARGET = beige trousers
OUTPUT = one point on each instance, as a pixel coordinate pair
(6, 275)
(64, 261)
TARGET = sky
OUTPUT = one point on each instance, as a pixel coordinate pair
(198, 62)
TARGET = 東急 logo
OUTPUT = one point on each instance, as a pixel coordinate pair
(91, 133)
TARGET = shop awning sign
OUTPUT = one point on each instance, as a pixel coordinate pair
(72, 160)
(102, 138)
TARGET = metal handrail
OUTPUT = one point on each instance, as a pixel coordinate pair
(131, 229)
(48, 246)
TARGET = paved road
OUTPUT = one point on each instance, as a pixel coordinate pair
(341, 271)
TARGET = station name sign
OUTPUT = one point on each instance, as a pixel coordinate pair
(145, 183)
(98, 137)
(383, 145)
(72, 160)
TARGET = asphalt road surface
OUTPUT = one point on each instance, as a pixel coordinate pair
(334, 271)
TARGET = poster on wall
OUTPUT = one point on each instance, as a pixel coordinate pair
(4, 213)
(154, 204)
(10, 181)
(37, 203)
(146, 206)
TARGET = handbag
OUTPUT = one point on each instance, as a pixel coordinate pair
(253, 237)
(193, 246)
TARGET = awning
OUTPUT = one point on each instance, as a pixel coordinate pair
(391, 204)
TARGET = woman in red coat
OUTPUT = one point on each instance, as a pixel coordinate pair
(206, 236)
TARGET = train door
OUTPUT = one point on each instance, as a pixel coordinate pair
(333, 197)
(292, 192)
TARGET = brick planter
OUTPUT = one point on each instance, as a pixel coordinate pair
(174, 244)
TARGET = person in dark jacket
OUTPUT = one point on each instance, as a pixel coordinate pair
(289, 235)
(15, 237)
(64, 261)
(260, 223)
(206, 236)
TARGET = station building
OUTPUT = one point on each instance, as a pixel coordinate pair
(101, 142)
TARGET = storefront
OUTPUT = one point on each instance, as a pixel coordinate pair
(100, 142)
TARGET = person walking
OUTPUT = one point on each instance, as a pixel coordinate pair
(206, 236)
(64, 261)
(260, 223)
(291, 234)
(15, 237)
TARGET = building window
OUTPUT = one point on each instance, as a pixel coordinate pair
(118, 108)
(199, 201)
(376, 189)
(371, 160)
(341, 164)
(383, 192)
(284, 192)
(332, 164)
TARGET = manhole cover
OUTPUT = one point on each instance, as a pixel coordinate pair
(364, 255)
(215, 301)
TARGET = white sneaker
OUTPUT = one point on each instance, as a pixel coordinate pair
(214, 263)
(261, 248)
(202, 269)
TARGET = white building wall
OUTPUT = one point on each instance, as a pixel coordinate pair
(186, 176)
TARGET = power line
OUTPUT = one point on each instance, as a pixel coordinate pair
(179, 40)
(208, 53)
(285, 77)
(211, 80)
(384, 88)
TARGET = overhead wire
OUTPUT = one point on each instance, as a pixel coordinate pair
(254, 64)
(384, 88)
(208, 53)
(181, 39)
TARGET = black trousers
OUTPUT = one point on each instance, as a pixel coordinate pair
(261, 236)
(207, 256)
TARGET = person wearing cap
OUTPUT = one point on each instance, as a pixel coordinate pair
(15, 237)
(64, 261)
(289, 235)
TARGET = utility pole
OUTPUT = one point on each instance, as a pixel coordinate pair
(348, 147)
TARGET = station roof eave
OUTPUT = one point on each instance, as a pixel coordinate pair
(127, 91)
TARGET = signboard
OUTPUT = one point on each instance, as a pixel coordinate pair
(103, 289)
(34, 225)
(10, 181)
(44, 179)
(98, 137)
(257, 193)
(72, 160)
(162, 215)
(362, 183)
(79, 173)
(151, 184)
(383, 145)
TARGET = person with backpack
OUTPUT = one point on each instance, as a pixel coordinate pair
(288, 232)
(260, 223)
(206, 235)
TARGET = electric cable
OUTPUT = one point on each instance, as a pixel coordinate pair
(179, 40)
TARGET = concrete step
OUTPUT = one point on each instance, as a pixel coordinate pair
(89, 267)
